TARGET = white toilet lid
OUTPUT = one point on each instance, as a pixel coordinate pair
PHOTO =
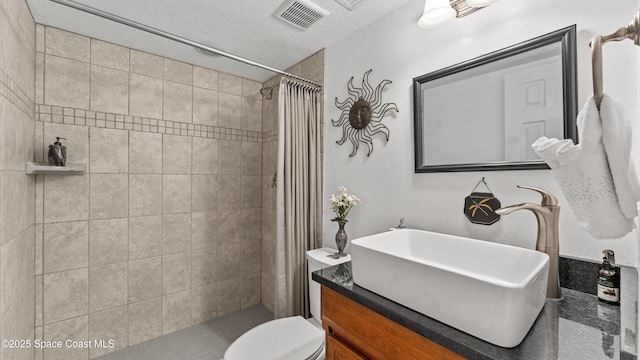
(291, 338)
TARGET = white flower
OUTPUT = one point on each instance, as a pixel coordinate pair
(342, 203)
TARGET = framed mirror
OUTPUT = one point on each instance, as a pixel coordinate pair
(484, 113)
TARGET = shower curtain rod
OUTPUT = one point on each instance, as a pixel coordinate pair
(164, 34)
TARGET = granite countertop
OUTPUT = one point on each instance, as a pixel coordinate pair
(578, 327)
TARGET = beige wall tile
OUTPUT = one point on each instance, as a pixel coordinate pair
(230, 111)
(251, 257)
(228, 296)
(109, 150)
(40, 38)
(229, 261)
(229, 157)
(107, 286)
(66, 198)
(145, 279)
(251, 224)
(145, 320)
(205, 78)
(77, 329)
(251, 114)
(39, 152)
(251, 158)
(17, 133)
(109, 55)
(178, 71)
(251, 191)
(176, 311)
(205, 156)
(109, 90)
(38, 301)
(108, 325)
(229, 226)
(205, 107)
(18, 323)
(176, 194)
(176, 272)
(39, 78)
(16, 269)
(58, 305)
(230, 196)
(270, 113)
(145, 236)
(251, 89)
(205, 193)
(146, 64)
(66, 82)
(230, 84)
(69, 45)
(109, 196)
(269, 158)
(145, 97)
(108, 241)
(310, 67)
(77, 142)
(19, 39)
(177, 103)
(176, 233)
(230, 192)
(66, 246)
(204, 267)
(176, 154)
(38, 244)
(16, 214)
(204, 302)
(145, 195)
(145, 153)
(250, 290)
(204, 229)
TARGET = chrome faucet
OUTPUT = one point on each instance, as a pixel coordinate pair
(547, 214)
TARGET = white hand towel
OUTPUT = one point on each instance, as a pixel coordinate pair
(616, 138)
(582, 171)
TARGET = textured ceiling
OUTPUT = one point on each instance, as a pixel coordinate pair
(245, 28)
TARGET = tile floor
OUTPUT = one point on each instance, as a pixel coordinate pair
(208, 340)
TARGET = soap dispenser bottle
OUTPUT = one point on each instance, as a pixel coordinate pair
(608, 279)
(57, 153)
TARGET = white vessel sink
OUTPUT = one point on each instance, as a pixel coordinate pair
(492, 291)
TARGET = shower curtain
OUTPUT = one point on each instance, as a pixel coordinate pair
(298, 194)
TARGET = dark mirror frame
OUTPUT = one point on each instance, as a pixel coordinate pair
(567, 38)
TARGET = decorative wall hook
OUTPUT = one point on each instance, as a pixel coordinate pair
(362, 114)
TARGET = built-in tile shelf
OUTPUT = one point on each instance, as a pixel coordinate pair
(35, 168)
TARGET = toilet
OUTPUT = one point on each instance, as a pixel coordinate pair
(290, 338)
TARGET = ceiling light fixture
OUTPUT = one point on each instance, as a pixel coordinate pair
(435, 13)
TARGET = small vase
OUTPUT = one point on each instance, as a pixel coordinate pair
(341, 239)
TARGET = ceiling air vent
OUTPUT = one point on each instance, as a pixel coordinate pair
(300, 13)
(350, 4)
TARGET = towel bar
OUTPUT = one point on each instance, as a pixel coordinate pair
(631, 31)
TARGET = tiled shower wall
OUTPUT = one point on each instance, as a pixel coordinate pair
(17, 190)
(311, 68)
(164, 229)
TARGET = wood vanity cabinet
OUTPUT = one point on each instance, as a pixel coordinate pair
(354, 332)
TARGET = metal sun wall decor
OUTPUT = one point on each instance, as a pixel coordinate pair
(362, 114)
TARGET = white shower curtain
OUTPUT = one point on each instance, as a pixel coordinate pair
(298, 194)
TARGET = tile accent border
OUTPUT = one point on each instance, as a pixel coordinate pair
(72, 116)
(12, 92)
